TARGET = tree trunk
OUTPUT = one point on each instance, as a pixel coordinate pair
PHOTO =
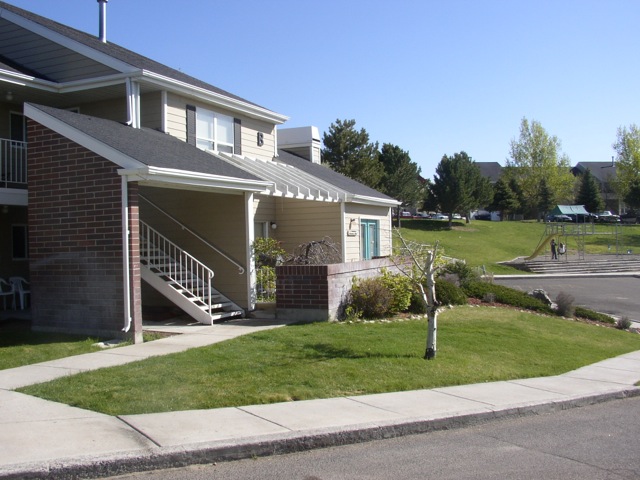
(432, 309)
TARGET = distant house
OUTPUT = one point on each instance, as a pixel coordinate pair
(490, 170)
(125, 183)
(604, 173)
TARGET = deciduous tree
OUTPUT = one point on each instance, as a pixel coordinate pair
(535, 156)
(627, 147)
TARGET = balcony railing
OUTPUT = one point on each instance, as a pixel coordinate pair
(13, 164)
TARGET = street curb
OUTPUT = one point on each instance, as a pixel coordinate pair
(210, 453)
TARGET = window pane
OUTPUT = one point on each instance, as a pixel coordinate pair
(225, 130)
(204, 124)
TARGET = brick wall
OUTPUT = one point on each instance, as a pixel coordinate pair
(317, 292)
(75, 239)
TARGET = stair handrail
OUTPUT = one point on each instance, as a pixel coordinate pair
(180, 258)
(184, 227)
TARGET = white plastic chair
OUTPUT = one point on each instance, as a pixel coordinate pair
(20, 288)
(6, 290)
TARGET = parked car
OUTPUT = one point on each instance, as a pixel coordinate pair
(440, 216)
(630, 217)
(482, 215)
(457, 216)
(559, 218)
(406, 215)
(608, 217)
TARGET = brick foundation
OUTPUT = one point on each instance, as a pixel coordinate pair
(317, 292)
(75, 239)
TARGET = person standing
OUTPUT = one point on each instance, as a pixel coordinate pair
(554, 253)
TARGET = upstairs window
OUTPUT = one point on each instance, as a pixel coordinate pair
(214, 131)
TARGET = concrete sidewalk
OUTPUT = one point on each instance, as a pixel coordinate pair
(42, 439)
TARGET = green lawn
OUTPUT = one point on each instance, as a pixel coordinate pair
(19, 346)
(322, 360)
(486, 243)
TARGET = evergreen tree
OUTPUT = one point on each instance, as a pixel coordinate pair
(589, 193)
(401, 176)
(505, 199)
(349, 152)
(458, 186)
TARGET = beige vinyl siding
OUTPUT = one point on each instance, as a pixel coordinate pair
(151, 110)
(177, 126)
(301, 221)
(250, 148)
(353, 214)
(218, 218)
(115, 110)
(177, 116)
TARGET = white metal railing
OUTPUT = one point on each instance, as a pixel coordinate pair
(175, 264)
(199, 237)
(13, 163)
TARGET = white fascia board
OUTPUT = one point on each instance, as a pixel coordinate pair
(382, 202)
(81, 138)
(248, 109)
(66, 87)
(77, 47)
(194, 179)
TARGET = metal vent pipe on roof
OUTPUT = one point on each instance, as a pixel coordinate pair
(103, 20)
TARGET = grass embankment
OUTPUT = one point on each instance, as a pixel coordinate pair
(486, 243)
(477, 344)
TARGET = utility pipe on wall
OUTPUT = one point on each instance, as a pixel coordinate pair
(126, 287)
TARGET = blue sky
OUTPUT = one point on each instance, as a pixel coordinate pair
(433, 77)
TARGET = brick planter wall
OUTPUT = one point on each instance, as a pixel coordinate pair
(317, 292)
(75, 239)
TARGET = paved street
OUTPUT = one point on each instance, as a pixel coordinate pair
(613, 295)
(587, 443)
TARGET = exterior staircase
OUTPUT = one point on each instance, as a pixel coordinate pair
(597, 264)
(182, 279)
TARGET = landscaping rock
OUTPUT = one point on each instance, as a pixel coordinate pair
(540, 294)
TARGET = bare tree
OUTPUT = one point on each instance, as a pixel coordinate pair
(420, 263)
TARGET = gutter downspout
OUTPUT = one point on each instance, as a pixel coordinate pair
(125, 255)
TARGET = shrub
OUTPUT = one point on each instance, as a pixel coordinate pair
(623, 324)
(506, 295)
(462, 272)
(417, 305)
(401, 289)
(370, 298)
(582, 312)
(564, 303)
(449, 294)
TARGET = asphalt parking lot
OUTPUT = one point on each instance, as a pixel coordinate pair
(616, 296)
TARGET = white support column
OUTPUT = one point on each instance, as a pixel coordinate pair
(251, 264)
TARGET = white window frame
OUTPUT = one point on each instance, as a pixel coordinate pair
(210, 139)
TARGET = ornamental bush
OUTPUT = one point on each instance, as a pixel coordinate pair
(448, 293)
(506, 295)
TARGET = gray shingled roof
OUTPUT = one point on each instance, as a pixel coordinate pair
(326, 174)
(119, 53)
(490, 170)
(603, 171)
(148, 146)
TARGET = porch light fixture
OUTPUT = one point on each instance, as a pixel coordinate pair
(9, 96)
(274, 225)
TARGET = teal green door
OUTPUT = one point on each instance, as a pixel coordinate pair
(369, 239)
